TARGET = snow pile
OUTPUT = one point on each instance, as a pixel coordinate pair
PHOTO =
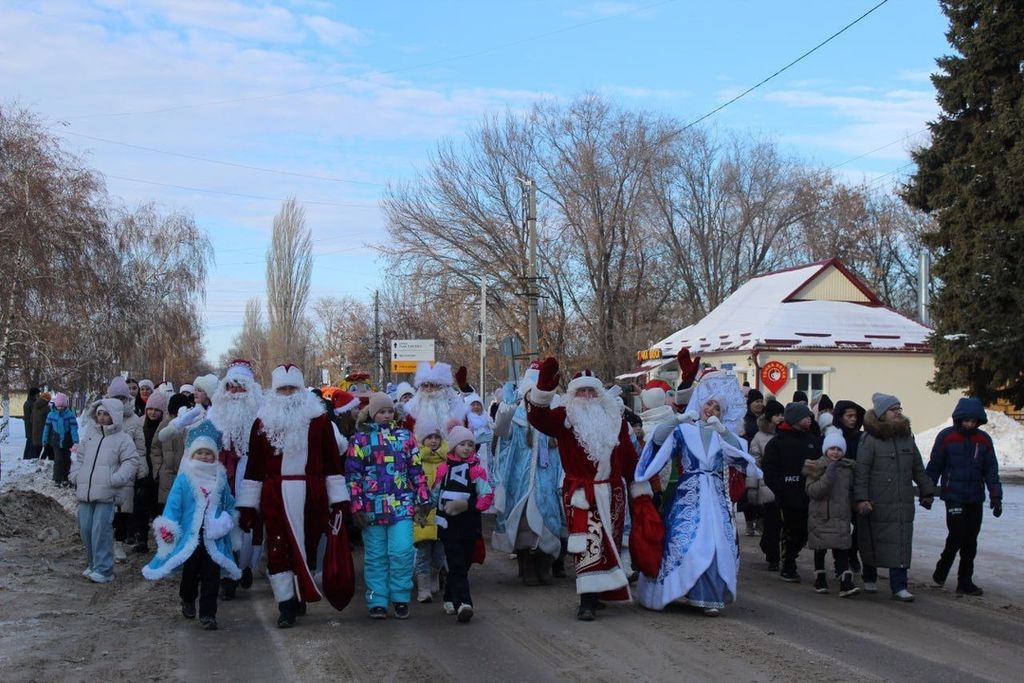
(1006, 433)
(29, 475)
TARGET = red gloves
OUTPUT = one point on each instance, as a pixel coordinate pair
(688, 369)
(166, 534)
(547, 379)
(247, 519)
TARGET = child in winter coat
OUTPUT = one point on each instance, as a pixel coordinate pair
(829, 485)
(461, 492)
(387, 487)
(429, 549)
(60, 433)
(104, 465)
(195, 530)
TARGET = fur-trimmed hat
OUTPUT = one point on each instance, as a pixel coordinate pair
(202, 435)
(458, 434)
(286, 375)
(440, 373)
(584, 379)
(379, 401)
(833, 439)
(403, 389)
(343, 402)
(239, 369)
(472, 398)
(208, 383)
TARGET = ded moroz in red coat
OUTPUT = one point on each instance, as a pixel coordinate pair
(594, 497)
(293, 491)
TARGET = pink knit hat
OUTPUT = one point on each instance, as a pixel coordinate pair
(157, 400)
(60, 401)
(118, 388)
(458, 434)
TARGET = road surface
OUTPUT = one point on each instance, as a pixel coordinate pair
(55, 626)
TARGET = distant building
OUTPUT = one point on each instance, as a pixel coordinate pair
(816, 328)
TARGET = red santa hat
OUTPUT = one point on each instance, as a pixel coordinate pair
(343, 402)
(286, 375)
(584, 379)
(655, 393)
(239, 369)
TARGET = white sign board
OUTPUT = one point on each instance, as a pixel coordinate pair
(325, 376)
(418, 350)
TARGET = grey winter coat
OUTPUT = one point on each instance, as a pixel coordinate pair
(107, 459)
(831, 507)
(888, 466)
(765, 432)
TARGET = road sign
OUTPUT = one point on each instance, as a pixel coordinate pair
(400, 366)
(416, 350)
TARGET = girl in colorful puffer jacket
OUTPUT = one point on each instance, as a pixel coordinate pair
(387, 487)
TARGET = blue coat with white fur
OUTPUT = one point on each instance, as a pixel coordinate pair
(184, 518)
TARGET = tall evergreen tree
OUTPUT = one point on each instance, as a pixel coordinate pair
(971, 179)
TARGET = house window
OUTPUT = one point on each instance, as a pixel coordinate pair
(812, 383)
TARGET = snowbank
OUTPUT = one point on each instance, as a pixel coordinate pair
(1006, 433)
(29, 475)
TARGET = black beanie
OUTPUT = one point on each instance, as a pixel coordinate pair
(800, 397)
(825, 403)
(754, 395)
(773, 408)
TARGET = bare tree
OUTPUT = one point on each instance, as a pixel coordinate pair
(289, 270)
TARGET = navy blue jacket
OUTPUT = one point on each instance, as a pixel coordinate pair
(963, 462)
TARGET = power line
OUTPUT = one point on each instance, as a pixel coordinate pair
(224, 163)
(787, 66)
(236, 194)
(879, 149)
(366, 77)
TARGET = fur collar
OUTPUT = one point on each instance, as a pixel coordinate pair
(815, 469)
(765, 425)
(885, 430)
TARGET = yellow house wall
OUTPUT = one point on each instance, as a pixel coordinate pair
(831, 285)
(856, 376)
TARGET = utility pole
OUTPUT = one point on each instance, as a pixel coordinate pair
(483, 335)
(378, 351)
(532, 293)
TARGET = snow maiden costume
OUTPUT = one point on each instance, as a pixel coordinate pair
(198, 528)
(527, 479)
(700, 559)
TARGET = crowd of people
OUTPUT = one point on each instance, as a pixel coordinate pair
(222, 473)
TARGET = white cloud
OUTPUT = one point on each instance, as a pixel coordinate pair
(331, 32)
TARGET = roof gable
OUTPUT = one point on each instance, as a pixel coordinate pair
(834, 282)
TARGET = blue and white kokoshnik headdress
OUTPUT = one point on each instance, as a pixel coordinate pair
(723, 386)
(202, 435)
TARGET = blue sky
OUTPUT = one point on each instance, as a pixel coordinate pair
(374, 85)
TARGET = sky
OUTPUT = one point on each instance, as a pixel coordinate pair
(331, 101)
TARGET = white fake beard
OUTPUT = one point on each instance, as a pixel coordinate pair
(438, 408)
(233, 415)
(596, 423)
(286, 419)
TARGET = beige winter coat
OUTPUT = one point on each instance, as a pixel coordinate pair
(765, 432)
(166, 452)
(107, 460)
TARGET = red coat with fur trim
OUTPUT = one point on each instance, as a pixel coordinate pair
(593, 540)
(292, 541)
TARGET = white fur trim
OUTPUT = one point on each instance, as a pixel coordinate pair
(599, 582)
(583, 383)
(640, 488)
(440, 373)
(283, 585)
(286, 376)
(218, 527)
(249, 494)
(163, 548)
(293, 494)
(579, 499)
(576, 544)
(337, 489)
(351, 405)
(540, 398)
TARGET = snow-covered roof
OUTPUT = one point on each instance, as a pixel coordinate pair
(821, 306)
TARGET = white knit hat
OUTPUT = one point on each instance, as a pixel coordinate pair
(833, 439)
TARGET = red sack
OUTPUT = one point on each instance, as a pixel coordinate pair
(646, 537)
(737, 485)
(479, 552)
(339, 577)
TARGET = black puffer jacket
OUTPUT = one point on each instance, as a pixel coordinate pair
(852, 436)
(783, 464)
